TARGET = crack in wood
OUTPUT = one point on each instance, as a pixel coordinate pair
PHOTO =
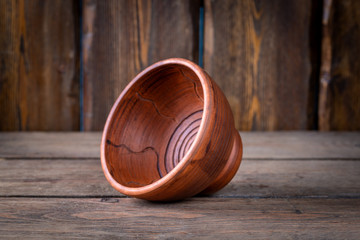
(195, 85)
(155, 106)
(137, 152)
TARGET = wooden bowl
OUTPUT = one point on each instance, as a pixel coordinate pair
(170, 135)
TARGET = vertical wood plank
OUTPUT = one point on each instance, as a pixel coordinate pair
(260, 53)
(325, 73)
(10, 32)
(39, 48)
(121, 38)
(339, 102)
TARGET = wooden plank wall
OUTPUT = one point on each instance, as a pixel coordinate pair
(39, 65)
(260, 52)
(283, 65)
(339, 105)
(121, 38)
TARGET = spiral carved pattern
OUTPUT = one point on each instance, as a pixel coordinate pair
(182, 139)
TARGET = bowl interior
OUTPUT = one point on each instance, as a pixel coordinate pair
(154, 125)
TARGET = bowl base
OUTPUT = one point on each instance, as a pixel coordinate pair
(230, 168)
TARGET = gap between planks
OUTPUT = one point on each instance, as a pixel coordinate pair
(109, 198)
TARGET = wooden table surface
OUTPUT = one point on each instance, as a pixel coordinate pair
(297, 185)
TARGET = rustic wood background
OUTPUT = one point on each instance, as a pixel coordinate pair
(283, 65)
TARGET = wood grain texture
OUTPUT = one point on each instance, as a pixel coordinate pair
(170, 135)
(301, 145)
(257, 145)
(121, 38)
(340, 73)
(196, 219)
(255, 179)
(260, 53)
(50, 145)
(39, 65)
(52, 198)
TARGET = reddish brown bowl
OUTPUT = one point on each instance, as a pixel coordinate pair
(170, 135)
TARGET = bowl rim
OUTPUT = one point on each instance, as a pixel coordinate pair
(208, 96)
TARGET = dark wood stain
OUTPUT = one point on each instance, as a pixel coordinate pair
(39, 65)
(339, 100)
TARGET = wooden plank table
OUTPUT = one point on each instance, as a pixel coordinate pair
(289, 185)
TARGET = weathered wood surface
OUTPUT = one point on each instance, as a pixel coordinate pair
(65, 195)
(50, 145)
(339, 100)
(39, 65)
(255, 178)
(257, 145)
(198, 218)
(263, 55)
(121, 38)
